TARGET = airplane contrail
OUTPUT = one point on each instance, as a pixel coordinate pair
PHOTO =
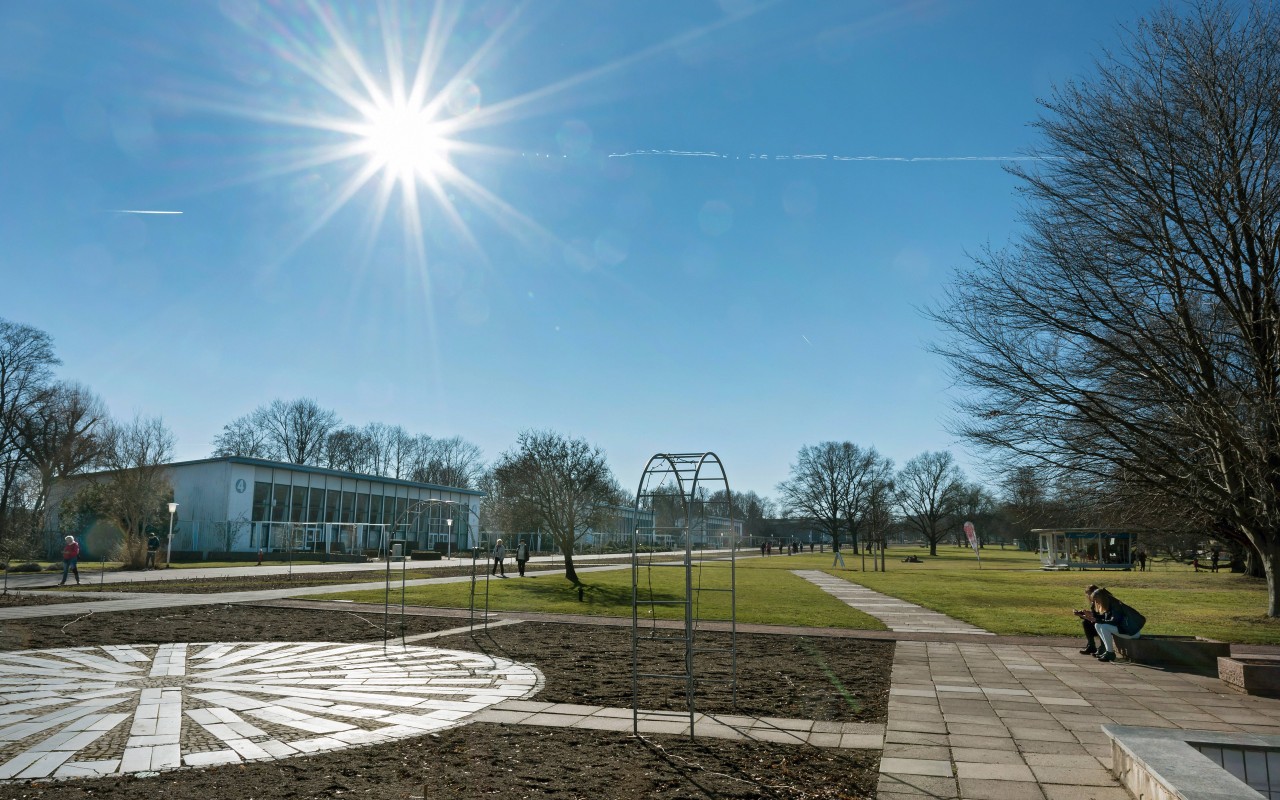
(138, 211)
(819, 156)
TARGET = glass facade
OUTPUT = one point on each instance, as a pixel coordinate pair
(306, 511)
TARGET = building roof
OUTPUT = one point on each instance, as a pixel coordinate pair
(262, 462)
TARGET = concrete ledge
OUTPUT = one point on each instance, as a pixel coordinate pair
(1194, 652)
(1248, 674)
(1162, 764)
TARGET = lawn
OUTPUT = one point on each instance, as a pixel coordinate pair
(1011, 595)
(766, 594)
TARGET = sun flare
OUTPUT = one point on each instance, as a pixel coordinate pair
(405, 142)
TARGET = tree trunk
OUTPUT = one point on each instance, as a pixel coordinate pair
(1271, 564)
(569, 571)
(933, 547)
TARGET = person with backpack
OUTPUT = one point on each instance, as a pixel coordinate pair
(153, 546)
(1110, 619)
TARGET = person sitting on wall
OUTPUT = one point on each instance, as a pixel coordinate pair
(1111, 618)
(1090, 633)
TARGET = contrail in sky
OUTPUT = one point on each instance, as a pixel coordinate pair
(138, 211)
(818, 156)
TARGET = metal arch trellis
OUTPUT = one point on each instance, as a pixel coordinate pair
(675, 504)
(479, 546)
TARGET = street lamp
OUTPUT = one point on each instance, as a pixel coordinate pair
(449, 541)
(168, 558)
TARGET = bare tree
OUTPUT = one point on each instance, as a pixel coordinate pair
(26, 363)
(831, 483)
(929, 488)
(563, 485)
(132, 493)
(1132, 336)
(448, 462)
(63, 434)
(243, 437)
(295, 431)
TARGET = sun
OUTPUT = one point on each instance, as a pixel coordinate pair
(404, 142)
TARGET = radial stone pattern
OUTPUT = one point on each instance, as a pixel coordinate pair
(90, 711)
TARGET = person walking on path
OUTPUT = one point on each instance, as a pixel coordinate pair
(153, 546)
(70, 553)
(522, 555)
(1142, 561)
(499, 553)
(835, 548)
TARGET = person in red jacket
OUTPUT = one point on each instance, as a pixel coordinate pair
(70, 552)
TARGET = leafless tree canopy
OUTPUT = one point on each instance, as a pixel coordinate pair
(930, 490)
(1131, 338)
(832, 484)
(135, 489)
(26, 364)
(301, 432)
(560, 484)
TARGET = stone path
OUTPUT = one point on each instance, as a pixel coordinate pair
(898, 615)
(850, 735)
(988, 721)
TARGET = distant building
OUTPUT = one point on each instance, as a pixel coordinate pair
(243, 504)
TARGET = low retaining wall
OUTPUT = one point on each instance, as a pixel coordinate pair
(1194, 652)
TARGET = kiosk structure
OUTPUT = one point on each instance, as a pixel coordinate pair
(1087, 548)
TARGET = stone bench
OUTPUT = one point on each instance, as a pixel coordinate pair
(1194, 652)
(1251, 674)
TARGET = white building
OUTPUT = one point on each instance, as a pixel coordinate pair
(244, 504)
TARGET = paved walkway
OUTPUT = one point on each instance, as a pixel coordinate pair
(123, 601)
(898, 615)
(989, 721)
(848, 735)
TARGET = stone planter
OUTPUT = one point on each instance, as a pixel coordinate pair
(1258, 675)
(1193, 652)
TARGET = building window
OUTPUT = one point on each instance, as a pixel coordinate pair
(347, 513)
(261, 500)
(315, 507)
(331, 505)
(299, 509)
(280, 512)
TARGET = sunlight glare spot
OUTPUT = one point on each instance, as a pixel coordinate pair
(404, 141)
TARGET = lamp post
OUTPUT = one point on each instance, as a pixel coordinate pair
(448, 544)
(168, 558)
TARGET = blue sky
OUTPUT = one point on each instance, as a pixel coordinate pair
(652, 302)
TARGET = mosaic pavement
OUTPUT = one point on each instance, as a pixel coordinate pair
(89, 711)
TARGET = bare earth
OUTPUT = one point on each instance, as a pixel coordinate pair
(843, 680)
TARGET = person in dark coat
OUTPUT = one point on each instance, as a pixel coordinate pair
(1090, 632)
(153, 545)
(1111, 618)
(522, 555)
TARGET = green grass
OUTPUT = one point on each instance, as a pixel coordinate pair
(1011, 595)
(766, 595)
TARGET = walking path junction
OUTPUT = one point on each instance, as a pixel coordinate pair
(972, 715)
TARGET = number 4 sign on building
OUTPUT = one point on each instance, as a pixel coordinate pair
(973, 541)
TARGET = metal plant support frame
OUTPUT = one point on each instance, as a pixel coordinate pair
(481, 547)
(689, 479)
